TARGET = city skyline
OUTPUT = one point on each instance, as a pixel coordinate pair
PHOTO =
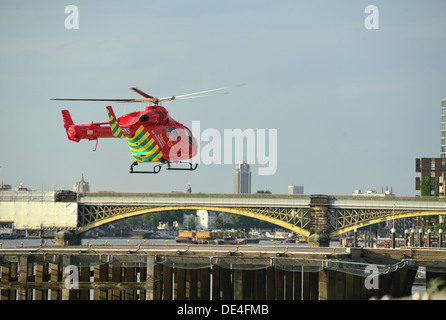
(352, 105)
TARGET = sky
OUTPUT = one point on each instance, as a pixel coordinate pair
(353, 107)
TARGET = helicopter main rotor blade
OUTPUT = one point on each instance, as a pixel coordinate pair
(124, 100)
(156, 100)
(111, 100)
(202, 96)
(196, 93)
(145, 95)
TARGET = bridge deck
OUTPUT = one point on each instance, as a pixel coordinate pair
(262, 200)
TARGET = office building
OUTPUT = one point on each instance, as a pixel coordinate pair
(432, 180)
(431, 170)
(294, 189)
(204, 219)
(242, 183)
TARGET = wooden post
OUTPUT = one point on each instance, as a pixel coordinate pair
(339, 285)
(116, 277)
(205, 290)
(249, 285)
(22, 275)
(310, 286)
(270, 284)
(100, 275)
(306, 286)
(314, 285)
(260, 284)
(331, 285)
(324, 285)
(67, 292)
(130, 276)
(350, 292)
(429, 238)
(9, 272)
(238, 285)
(167, 282)
(192, 281)
(288, 285)
(298, 285)
(393, 238)
(420, 238)
(154, 275)
(84, 276)
(142, 271)
(279, 284)
(41, 276)
(226, 284)
(56, 276)
(180, 281)
(216, 289)
(407, 280)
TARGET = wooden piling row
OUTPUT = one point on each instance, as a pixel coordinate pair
(25, 280)
(187, 275)
(47, 281)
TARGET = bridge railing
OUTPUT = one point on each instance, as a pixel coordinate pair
(199, 199)
(27, 195)
(389, 203)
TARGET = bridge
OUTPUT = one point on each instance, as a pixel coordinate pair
(303, 214)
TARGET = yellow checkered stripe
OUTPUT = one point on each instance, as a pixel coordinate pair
(143, 147)
(115, 128)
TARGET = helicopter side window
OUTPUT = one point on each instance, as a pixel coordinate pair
(172, 133)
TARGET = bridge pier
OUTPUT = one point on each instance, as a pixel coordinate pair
(64, 238)
(319, 221)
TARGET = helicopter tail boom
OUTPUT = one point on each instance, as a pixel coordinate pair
(93, 131)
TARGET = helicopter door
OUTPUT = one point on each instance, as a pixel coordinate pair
(190, 137)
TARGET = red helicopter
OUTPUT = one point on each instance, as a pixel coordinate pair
(152, 135)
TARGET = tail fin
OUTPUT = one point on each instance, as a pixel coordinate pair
(69, 126)
(115, 128)
(67, 121)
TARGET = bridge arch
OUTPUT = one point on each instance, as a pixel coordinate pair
(90, 217)
(386, 215)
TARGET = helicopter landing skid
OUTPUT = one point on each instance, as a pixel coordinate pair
(192, 167)
(156, 169)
